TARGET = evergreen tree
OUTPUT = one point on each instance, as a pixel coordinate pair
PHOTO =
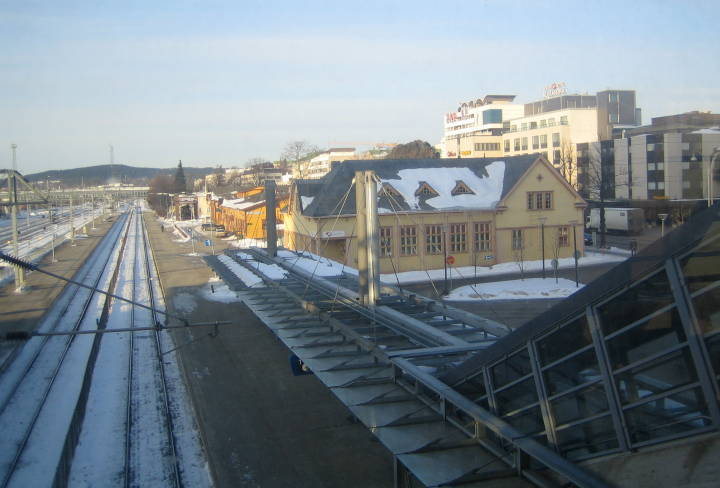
(180, 183)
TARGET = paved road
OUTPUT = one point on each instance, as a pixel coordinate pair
(262, 426)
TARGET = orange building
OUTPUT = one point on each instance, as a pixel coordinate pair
(245, 214)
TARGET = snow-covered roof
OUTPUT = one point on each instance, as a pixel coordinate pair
(489, 180)
(487, 189)
(708, 130)
(241, 203)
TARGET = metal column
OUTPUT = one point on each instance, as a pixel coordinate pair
(270, 221)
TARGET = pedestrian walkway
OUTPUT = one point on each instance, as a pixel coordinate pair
(261, 425)
(23, 311)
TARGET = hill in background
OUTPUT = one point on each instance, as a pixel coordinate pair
(103, 174)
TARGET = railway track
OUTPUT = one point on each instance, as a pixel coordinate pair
(113, 406)
(41, 371)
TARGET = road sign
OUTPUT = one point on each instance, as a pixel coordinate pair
(208, 242)
(450, 260)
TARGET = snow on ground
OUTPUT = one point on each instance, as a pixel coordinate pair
(312, 263)
(248, 277)
(515, 290)
(217, 291)
(590, 259)
(272, 271)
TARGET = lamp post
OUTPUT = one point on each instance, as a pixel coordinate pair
(542, 242)
(711, 167)
(575, 251)
(662, 224)
(445, 255)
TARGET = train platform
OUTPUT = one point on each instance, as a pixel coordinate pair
(261, 425)
(22, 311)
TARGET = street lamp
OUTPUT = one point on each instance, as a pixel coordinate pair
(711, 167)
(662, 224)
(575, 251)
(542, 242)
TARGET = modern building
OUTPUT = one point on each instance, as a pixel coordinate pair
(479, 212)
(666, 160)
(475, 129)
(555, 126)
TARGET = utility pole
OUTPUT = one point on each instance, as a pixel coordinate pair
(270, 223)
(12, 190)
(112, 161)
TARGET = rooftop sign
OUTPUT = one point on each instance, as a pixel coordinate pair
(555, 89)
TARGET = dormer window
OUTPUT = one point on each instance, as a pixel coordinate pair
(425, 190)
(388, 190)
(461, 189)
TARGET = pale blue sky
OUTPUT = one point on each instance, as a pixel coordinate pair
(213, 82)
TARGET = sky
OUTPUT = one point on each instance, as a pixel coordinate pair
(221, 82)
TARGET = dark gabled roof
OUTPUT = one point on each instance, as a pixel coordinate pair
(703, 226)
(335, 194)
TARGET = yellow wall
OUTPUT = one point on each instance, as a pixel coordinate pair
(335, 239)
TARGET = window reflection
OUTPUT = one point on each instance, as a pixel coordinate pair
(591, 437)
(637, 302)
(573, 372)
(673, 414)
(516, 397)
(663, 374)
(511, 369)
(656, 335)
(564, 341)
(580, 404)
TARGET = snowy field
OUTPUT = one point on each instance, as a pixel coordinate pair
(528, 289)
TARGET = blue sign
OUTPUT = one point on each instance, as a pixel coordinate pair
(297, 367)
(207, 242)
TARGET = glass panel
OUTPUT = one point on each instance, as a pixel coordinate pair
(656, 335)
(674, 414)
(707, 310)
(588, 438)
(580, 404)
(567, 339)
(663, 374)
(713, 345)
(513, 368)
(701, 267)
(472, 387)
(575, 371)
(635, 303)
(516, 397)
(528, 421)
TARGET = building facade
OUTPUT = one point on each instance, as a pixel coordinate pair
(667, 160)
(321, 164)
(475, 129)
(479, 212)
(555, 126)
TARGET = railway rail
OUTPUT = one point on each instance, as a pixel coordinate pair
(110, 406)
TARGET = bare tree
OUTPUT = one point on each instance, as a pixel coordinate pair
(254, 162)
(298, 153)
(566, 164)
(598, 182)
